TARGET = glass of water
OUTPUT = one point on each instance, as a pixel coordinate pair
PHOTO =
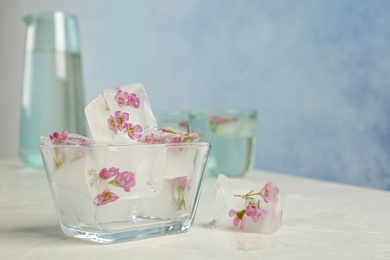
(232, 135)
(177, 119)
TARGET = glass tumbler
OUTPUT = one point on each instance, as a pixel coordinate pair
(232, 135)
(176, 119)
(52, 95)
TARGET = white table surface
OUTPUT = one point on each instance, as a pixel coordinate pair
(321, 220)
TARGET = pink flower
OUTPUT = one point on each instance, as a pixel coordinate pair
(121, 120)
(78, 141)
(176, 139)
(126, 180)
(134, 131)
(106, 197)
(108, 173)
(118, 121)
(237, 220)
(121, 97)
(126, 99)
(270, 193)
(169, 135)
(181, 181)
(169, 130)
(253, 212)
(111, 124)
(170, 139)
(218, 120)
(57, 138)
(133, 100)
(149, 139)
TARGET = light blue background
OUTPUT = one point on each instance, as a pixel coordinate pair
(317, 72)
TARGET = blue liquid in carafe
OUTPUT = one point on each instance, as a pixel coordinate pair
(53, 100)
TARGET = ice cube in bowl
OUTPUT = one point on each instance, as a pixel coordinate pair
(108, 193)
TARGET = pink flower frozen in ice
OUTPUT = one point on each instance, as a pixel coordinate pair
(57, 138)
(270, 193)
(78, 141)
(237, 220)
(133, 100)
(126, 99)
(121, 97)
(181, 181)
(118, 121)
(218, 120)
(176, 139)
(149, 139)
(134, 131)
(108, 173)
(111, 124)
(254, 212)
(180, 190)
(175, 136)
(66, 139)
(121, 120)
(170, 139)
(106, 197)
(169, 135)
(126, 180)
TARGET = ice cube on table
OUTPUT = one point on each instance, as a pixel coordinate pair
(122, 114)
(247, 206)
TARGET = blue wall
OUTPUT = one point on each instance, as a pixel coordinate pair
(317, 72)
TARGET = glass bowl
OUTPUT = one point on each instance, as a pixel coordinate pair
(111, 193)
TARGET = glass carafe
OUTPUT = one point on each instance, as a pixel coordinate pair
(53, 94)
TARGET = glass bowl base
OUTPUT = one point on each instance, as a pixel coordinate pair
(127, 234)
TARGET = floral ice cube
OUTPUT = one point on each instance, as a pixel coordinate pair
(179, 161)
(173, 200)
(247, 206)
(126, 172)
(122, 114)
(131, 115)
(97, 113)
(170, 135)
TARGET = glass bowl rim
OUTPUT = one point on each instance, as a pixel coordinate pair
(134, 145)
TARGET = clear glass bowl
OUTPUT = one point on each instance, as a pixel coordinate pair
(111, 193)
